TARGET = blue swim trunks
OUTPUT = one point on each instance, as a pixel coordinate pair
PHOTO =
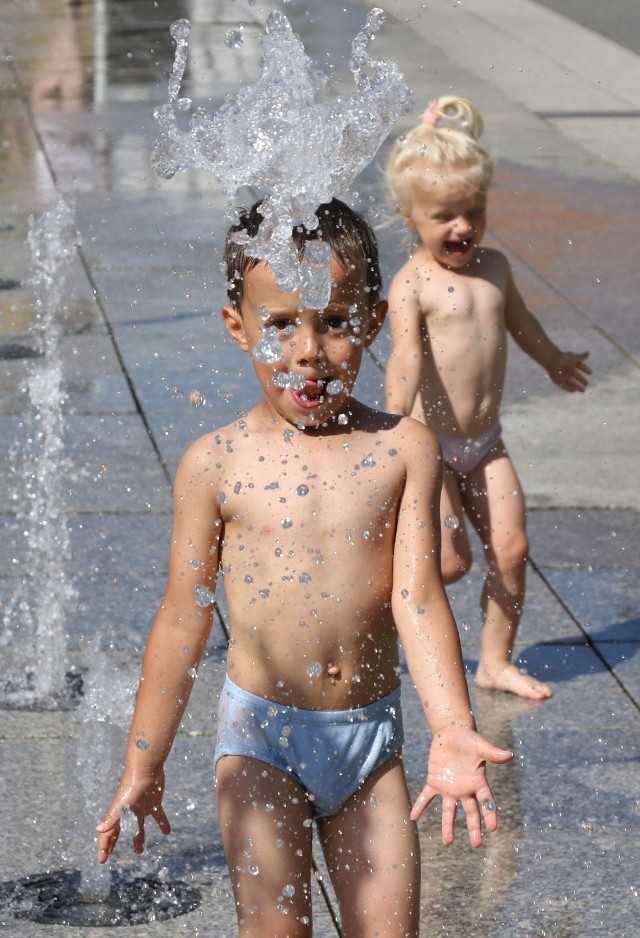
(328, 752)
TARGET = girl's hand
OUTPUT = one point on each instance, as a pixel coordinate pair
(456, 771)
(143, 797)
(569, 371)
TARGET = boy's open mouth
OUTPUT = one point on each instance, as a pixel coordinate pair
(311, 395)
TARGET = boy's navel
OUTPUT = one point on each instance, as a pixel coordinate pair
(334, 672)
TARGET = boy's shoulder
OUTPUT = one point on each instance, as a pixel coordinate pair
(406, 434)
(362, 419)
(206, 451)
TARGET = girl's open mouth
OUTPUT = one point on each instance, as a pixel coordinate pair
(458, 248)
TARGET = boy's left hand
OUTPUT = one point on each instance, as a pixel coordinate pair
(456, 771)
(569, 371)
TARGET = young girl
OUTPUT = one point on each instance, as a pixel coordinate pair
(450, 307)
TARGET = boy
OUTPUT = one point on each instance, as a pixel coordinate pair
(323, 521)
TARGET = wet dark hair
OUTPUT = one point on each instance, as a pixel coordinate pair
(347, 233)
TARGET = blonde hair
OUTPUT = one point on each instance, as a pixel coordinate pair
(446, 138)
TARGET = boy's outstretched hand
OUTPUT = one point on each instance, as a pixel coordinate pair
(143, 798)
(569, 371)
(456, 772)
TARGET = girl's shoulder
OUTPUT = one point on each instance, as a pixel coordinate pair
(492, 259)
(419, 271)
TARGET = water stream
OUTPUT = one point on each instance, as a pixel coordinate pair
(34, 639)
(284, 140)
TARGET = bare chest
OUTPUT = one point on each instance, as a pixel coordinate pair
(283, 503)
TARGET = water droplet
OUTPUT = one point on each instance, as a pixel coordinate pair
(315, 275)
(452, 522)
(288, 890)
(233, 38)
(203, 596)
(254, 870)
(314, 669)
(303, 490)
(305, 578)
(343, 419)
(335, 386)
(287, 522)
(197, 399)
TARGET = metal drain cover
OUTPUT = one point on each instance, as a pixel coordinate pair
(55, 899)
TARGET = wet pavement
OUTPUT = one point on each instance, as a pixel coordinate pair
(147, 369)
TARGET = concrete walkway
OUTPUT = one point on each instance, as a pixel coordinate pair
(147, 369)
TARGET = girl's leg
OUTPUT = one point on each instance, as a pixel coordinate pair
(265, 820)
(495, 505)
(373, 855)
(455, 553)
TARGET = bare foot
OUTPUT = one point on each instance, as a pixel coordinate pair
(508, 678)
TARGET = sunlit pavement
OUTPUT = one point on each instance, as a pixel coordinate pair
(148, 369)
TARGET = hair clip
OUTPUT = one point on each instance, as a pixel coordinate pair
(430, 117)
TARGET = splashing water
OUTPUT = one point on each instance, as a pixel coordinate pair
(287, 140)
(33, 626)
(102, 719)
(290, 379)
(268, 349)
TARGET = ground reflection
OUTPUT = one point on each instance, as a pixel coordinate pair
(466, 890)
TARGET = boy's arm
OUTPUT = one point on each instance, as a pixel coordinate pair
(429, 636)
(566, 369)
(176, 642)
(402, 378)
